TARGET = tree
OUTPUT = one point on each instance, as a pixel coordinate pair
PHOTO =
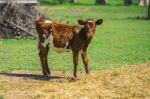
(127, 2)
(61, 1)
(149, 10)
(101, 1)
(143, 2)
(74, 1)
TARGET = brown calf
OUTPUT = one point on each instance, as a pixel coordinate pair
(62, 37)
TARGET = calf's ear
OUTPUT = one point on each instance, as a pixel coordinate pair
(81, 22)
(99, 21)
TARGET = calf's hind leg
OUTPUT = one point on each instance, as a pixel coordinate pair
(43, 58)
(46, 62)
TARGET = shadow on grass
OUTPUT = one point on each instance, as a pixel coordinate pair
(32, 76)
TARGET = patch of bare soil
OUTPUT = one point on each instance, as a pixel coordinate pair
(123, 83)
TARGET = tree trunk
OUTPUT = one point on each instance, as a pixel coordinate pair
(61, 1)
(101, 1)
(143, 2)
(149, 10)
(127, 2)
(74, 1)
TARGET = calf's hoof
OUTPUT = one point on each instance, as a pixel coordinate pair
(75, 78)
(47, 76)
(87, 73)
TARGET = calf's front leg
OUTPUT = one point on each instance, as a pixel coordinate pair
(85, 61)
(75, 61)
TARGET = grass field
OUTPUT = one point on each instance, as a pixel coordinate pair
(122, 40)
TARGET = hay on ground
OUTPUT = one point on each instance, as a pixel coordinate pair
(123, 83)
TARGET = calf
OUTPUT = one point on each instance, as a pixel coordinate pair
(62, 37)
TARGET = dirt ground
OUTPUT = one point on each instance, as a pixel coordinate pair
(122, 83)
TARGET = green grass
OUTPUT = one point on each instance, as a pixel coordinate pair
(83, 2)
(122, 40)
(1, 97)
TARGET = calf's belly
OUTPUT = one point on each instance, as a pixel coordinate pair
(52, 45)
(60, 50)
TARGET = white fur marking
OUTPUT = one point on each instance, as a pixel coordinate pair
(90, 21)
(50, 43)
(44, 36)
(66, 45)
(48, 21)
(77, 31)
(51, 30)
(61, 50)
(46, 41)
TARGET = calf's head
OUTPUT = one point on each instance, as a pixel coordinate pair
(89, 27)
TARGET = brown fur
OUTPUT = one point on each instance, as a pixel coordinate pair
(78, 36)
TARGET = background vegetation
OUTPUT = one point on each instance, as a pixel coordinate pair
(84, 2)
(122, 40)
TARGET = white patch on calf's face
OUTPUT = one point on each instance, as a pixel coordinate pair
(90, 21)
(48, 21)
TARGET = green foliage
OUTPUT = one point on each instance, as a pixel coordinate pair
(83, 2)
(122, 40)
